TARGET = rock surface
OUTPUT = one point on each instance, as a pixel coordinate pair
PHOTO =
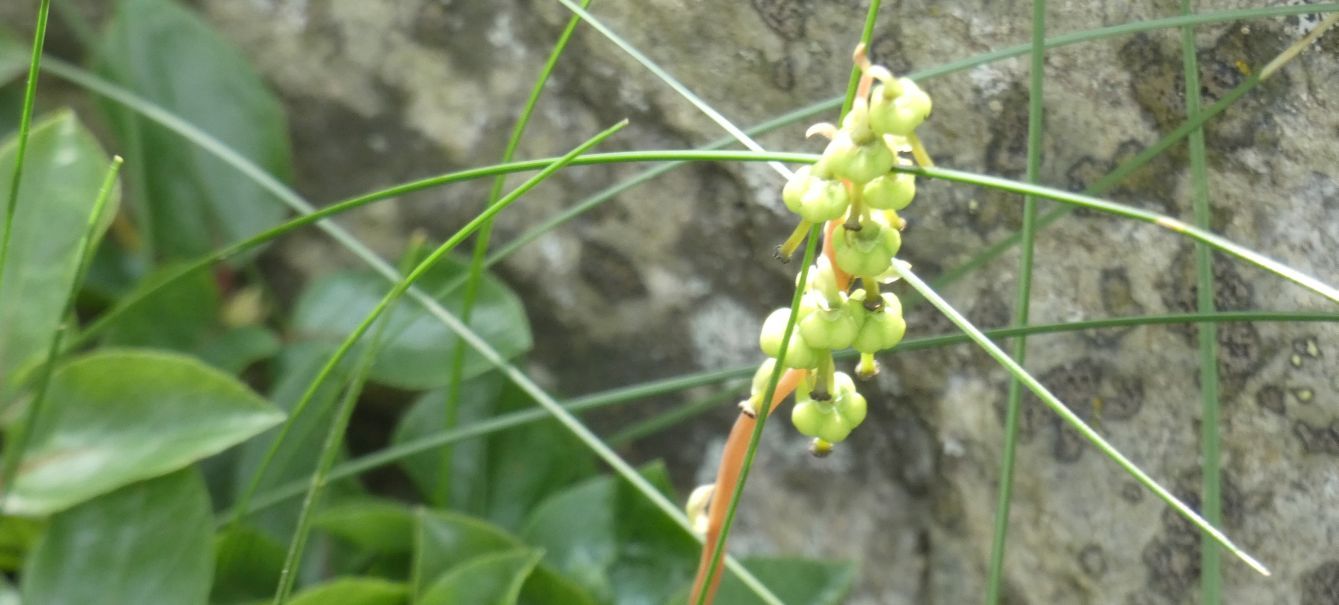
(676, 275)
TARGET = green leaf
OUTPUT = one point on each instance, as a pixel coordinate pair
(445, 540)
(238, 348)
(491, 579)
(418, 346)
(189, 201)
(469, 459)
(792, 580)
(62, 173)
(529, 463)
(354, 591)
(296, 457)
(147, 542)
(116, 417)
(605, 536)
(247, 565)
(179, 317)
(375, 525)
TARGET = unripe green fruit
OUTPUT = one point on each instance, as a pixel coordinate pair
(899, 113)
(762, 377)
(798, 353)
(831, 420)
(867, 252)
(831, 329)
(881, 329)
(814, 198)
(859, 163)
(892, 191)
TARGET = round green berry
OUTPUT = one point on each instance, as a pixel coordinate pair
(857, 162)
(830, 328)
(892, 191)
(867, 252)
(799, 355)
(899, 112)
(882, 329)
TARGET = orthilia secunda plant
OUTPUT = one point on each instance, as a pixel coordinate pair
(855, 193)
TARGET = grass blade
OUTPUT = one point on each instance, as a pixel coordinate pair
(17, 440)
(25, 125)
(1074, 421)
(401, 286)
(1211, 505)
(477, 258)
(1022, 304)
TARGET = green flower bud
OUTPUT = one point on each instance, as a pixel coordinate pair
(815, 199)
(867, 252)
(830, 328)
(799, 355)
(898, 109)
(881, 329)
(892, 191)
(831, 420)
(859, 163)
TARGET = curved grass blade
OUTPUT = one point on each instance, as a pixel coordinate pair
(1073, 419)
(401, 286)
(481, 242)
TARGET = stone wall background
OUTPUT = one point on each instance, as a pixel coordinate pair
(677, 275)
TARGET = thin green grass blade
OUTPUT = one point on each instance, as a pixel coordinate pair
(401, 286)
(17, 440)
(673, 417)
(1073, 419)
(25, 125)
(1161, 220)
(1022, 304)
(478, 257)
(339, 425)
(1211, 574)
(629, 394)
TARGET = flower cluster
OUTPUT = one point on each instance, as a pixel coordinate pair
(854, 190)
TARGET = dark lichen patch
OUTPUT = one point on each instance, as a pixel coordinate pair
(1271, 397)
(1117, 294)
(1093, 561)
(1320, 585)
(1156, 83)
(1132, 492)
(785, 17)
(1318, 439)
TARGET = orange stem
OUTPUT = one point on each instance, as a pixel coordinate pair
(727, 477)
(843, 278)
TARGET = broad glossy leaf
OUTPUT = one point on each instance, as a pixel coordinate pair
(491, 579)
(119, 416)
(418, 352)
(354, 591)
(604, 535)
(792, 580)
(246, 566)
(469, 458)
(190, 202)
(148, 542)
(62, 173)
(445, 540)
